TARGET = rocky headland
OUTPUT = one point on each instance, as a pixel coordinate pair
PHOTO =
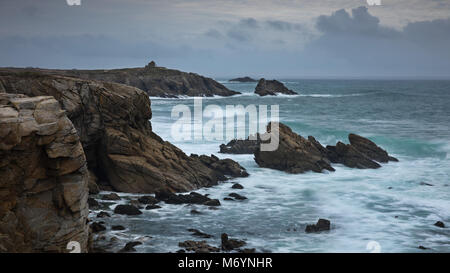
(155, 81)
(272, 88)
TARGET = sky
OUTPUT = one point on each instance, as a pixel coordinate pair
(230, 38)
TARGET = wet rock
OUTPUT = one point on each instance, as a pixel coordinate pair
(239, 146)
(247, 250)
(423, 248)
(243, 79)
(181, 251)
(439, 224)
(230, 244)
(150, 207)
(135, 203)
(103, 214)
(228, 199)
(370, 149)
(93, 204)
(97, 227)
(321, 225)
(272, 87)
(237, 186)
(295, 154)
(223, 167)
(118, 227)
(111, 197)
(129, 247)
(198, 233)
(147, 200)
(212, 202)
(127, 210)
(426, 184)
(191, 198)
(194, 211)
(198, 246)
(237, 196)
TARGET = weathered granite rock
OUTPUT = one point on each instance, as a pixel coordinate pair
(43, 177)
(243, 79)
(272, 88)
(156, 81)
(295, 154)
(127, 210)
(112, 121)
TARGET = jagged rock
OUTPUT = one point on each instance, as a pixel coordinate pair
(212, 203)
(127, 210)
(112, 121)
(321, 225)
(439, 224)
(243, 79)
(370, 149)
(198, 233)
(237, 196)
(43, 177)
(111, 197)
(155, 81)
(230, 244)
(272, 87)
(97, 227)
(148, 200)
(240, 146)
(295, 154)
(198, 246)
(349, 156)
(237, 186)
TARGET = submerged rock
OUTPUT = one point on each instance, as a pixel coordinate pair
(321, 225)
(237, 186)
(272, 87)
(439, 224)
(118, 227)
(237, 196)
(198, 233)
(150, 207)
(103, 214)
(97, 227)
(129, 247)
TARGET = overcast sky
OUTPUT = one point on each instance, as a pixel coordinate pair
(224, 38)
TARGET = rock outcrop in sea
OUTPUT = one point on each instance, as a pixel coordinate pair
(272, 88)
(155, 81)
(122, 151)
(295, 154)
(240, 146)
(243, 79)
(43, 177)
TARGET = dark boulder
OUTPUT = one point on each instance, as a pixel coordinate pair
(127, 210)
(112, 197)
(150, 207)
(198, 233)
(230, 244)
(97, 227)
(148, 200)
(129, 247)
(439, 224)
(212, 203)
(240, 146)
(118, 227)
(237, 186)
(198, 246)
(321, 225)
(194, 211)
(103, 214)
(272, 87)
(243, 79)
(93, 204)
(237, 196)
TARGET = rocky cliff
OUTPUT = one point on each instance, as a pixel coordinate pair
(156, 81)
(112, 121)
(43, 177)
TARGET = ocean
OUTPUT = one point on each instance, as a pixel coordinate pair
(389, 207)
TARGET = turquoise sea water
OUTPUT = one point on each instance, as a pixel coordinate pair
(410, 119)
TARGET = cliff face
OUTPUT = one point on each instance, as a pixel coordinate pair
(43, 177)
(112, 121)
(156, 81)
